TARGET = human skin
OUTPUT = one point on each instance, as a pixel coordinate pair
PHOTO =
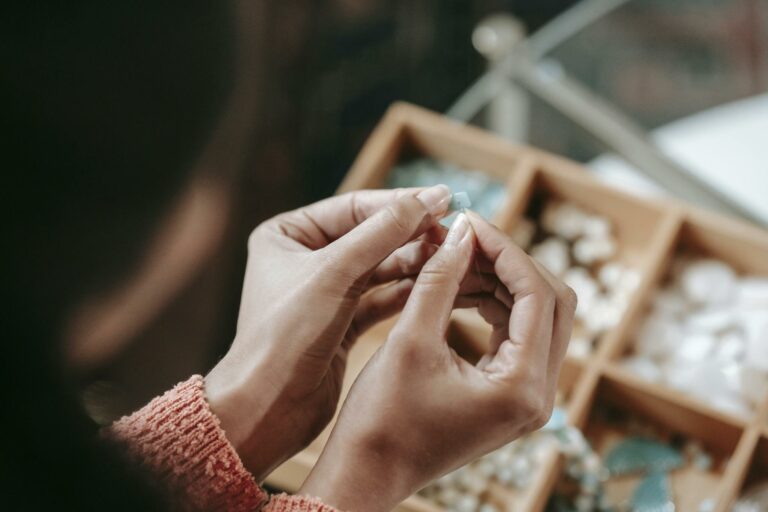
(418, 410)
(316, 278)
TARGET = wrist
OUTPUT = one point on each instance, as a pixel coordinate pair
(242, 408)
(356, 478)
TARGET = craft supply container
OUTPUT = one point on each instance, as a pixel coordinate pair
(649, 234)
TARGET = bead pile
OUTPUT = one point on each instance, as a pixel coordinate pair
(706, 334)
(468, 489)
(483, 192)
(637, 450)
(578, 247)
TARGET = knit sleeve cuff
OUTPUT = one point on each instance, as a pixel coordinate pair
(287, 503)
(179, 439)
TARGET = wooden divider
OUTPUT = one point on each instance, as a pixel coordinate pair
(650, 233)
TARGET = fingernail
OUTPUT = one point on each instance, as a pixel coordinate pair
(436, 199)
(457, 231)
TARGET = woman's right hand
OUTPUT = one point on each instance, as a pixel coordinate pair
(417, 410)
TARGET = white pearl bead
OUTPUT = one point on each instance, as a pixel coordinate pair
(579, 347)
(596, 227)
(466, 503)
(552, 253)
(592, 250)
(708, 281)
(448, 495)
(472, 481)
(563, 219)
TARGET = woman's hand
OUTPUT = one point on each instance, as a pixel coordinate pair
(417, 410)
(307, 295)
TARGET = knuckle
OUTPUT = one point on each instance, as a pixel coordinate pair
(334, 271)
(396, 216)
(436, 275)
(531, 404)
(254, 238)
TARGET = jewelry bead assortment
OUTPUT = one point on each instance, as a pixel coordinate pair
(578, 247)
(693, 340)
(706, 334)
(514, 465)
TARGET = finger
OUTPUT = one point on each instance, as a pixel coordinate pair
(476, 282)
(378, 305)
(532, 313)
(492, 311)
(565, 307)
(405, 261)
(490, 308)
(429, 307)
(320, 223)
(435, 234)
(367, 245)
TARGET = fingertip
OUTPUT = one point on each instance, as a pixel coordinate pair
(479, 224)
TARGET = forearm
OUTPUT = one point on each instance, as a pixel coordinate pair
(178, 439)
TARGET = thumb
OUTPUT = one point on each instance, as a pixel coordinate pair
(428, 309)
(364, 247)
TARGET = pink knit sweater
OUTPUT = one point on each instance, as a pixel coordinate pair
(179, 440)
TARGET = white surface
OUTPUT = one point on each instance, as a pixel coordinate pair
(726, 146)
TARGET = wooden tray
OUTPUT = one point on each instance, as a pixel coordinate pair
(649, 232)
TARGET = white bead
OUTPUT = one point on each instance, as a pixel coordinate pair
(448, 495)
(579, 348)
(610, 274)
(657, 336)
(705, 380)
(592, 250)
(487, 507)
(731, 347)
(595, 226)
(486, 467)
(694, 348)
(708, 282)
(505, 475)
(501, 457)
(711, 320)
(472, 481)
(604, 313)
(584, 286)
(629, 281)
(563, 219)
(553, 254)
(466, 503)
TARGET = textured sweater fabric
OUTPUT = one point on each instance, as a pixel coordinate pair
(180, 441)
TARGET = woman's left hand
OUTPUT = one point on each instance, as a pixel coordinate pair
(312, 286)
